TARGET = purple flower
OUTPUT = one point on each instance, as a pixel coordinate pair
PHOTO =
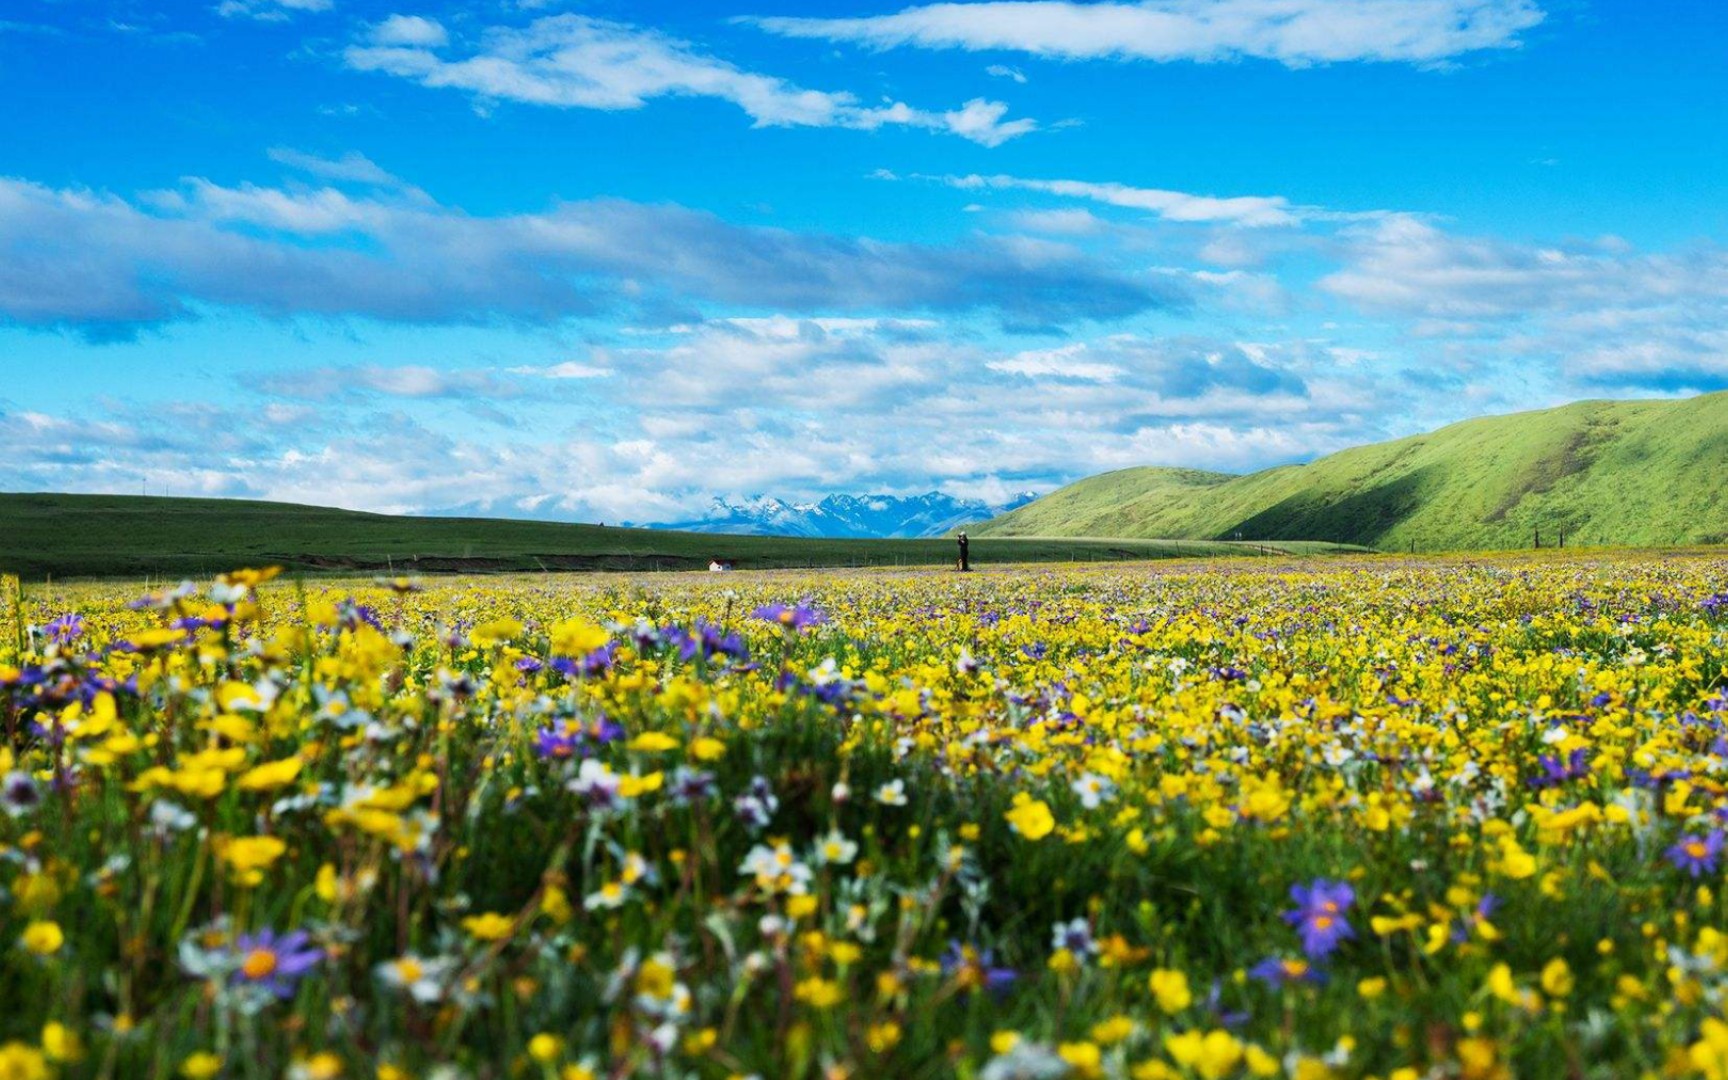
(65, 630)
(19, 794)
(1554, 773)
(1697, 855)
(558, 743)
(275, 964)
(977, 970)
(796, 617)
(1485, 909)
(690, 786)
(1319, 915)
(756, 806)
(1275, 971)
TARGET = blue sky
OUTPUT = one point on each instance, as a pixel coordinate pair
(603, 261)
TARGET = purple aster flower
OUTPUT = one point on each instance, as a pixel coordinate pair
(1319, 915)
(796, 617)
(65, 630)
(1697, 855)
(1485, 909)
(1275, 971)
(558, 743)
(272, 963)
(977, 969)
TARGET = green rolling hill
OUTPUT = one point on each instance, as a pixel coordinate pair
(1636, 473)
(115, 535)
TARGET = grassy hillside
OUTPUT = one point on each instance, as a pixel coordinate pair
(98, 535)
(1605, 472)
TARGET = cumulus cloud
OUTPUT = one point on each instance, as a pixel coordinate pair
(577, 61)
(773, 403)
(1292, 32)
(1600, 312)
(410, 31)
(1406, 265)
(107, 266)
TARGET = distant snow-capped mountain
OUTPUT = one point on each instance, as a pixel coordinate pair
(932, 514)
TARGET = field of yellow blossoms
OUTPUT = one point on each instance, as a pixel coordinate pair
(1364, 817)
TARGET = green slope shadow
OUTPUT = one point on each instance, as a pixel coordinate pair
(1364, 518)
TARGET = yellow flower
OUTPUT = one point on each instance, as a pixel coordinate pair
(494, 632)
(1557, 978)
(61, 1043)
(271, 775)
(545, 1048)
(1515, 862)
(653, 742)
(320, 1066)
(819, 993)
(1369, 989)
(707, 749)
(882, 1037)
(1259, 1062)
(555, 905)
(488, 926)
(200, 1066)
(21, 1062)
(1112, 1031)
(1476, 1058)
(1031, 818)
(1084, 1059)
(577, 637)
(249, 856)
(42, 938)
(1171, 990)
(630, 785)
(1213, 1055)
(1709, 1055)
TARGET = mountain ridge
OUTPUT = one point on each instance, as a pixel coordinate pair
(1598, 472)
(844, 516)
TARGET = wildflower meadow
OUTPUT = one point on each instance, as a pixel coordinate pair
(1351, 817)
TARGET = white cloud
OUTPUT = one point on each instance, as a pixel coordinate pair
(415, 381)
(1292, 32)
(1408, 266)
(1065, 362)
(779, 403)
(569, 369)
(1066, 222)
(106, 266)
(412, 31)
(270, 10)
(351, 167)
(1590, 313)
(575, 61)
(1254, 211)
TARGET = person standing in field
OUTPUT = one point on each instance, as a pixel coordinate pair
(965, 559)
